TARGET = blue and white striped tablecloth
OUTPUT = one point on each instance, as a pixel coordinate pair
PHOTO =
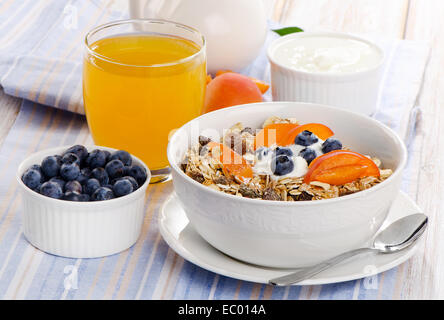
(40, 61)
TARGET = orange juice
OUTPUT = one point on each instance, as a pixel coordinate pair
(137, 88)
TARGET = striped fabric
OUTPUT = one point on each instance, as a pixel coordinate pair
(45, 68)
(42, 46)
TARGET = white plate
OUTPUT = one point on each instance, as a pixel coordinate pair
(180, 235)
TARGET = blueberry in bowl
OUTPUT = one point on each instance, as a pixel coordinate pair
(308, 154)
(73, 207)
(306, 138)
(331, 144)
(282, 165)
(77, 171)
(50, 166)
(283, 151)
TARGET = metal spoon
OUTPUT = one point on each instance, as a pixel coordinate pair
(397, 236)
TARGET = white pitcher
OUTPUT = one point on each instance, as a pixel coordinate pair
(235, 30)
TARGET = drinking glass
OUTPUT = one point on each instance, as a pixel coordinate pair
(142, 78)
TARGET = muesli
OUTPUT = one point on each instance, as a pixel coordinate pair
(283, 161)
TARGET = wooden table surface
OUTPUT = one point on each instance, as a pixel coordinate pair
(404, 19)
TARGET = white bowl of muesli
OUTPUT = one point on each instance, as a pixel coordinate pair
(286, 184)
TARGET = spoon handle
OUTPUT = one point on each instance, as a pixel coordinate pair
(311, 271)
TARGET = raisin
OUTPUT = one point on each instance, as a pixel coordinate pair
(236, 143)
(270, 194)
(232, 140)
(304, 196)
(197, 176)
(249, 130)
(203, 150)
(184, 164)
(221, 180)
(248, 192)
(242, 148)
(203, 141)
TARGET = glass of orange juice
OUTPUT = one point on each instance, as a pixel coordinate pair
(141, 80)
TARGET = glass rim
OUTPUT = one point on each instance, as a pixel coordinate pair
(154, 21)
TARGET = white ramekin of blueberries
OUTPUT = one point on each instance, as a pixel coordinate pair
(83, 202)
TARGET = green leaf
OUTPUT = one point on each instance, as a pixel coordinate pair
(287, 30)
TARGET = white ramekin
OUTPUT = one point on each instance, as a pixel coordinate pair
(357, 91)
(289, 234)
(80, 229)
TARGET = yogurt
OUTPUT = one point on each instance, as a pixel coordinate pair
(263, 161)
(327, 54)
(263, 166)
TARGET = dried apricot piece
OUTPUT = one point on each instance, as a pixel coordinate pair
(340, 167)
(233, 163)
(276, 133)
(321, 131)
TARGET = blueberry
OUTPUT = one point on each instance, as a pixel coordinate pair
(109, 186)
(51, 166)
(101, 175)
(84, 175)
(51, 189)
(107, 155)
(282, 150)
(91, 185)
(70, 158)
(75, 196)
(72, 196)
(84, 197)
(331, 144)
(308, 154)
(38, 168)
(126, 171)
(122, 187)
(282, 165)
(32, 178)
(96, 158)
(102, 193)
(306, 138)
(80, 151)
(115, 169)
(123, 156)
(133, 182)
(59, 181)
(73, 186)
(261, 152)
(138, 173)
(69, 171)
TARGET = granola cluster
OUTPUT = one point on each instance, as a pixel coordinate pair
(203, 167)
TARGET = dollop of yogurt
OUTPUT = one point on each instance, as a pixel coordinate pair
(264, 158)
(317, 147)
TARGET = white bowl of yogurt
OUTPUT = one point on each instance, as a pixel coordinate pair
(331, 68)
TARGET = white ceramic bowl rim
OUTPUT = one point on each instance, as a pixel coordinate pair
(325, 75)
(21, 169)
(396, 172)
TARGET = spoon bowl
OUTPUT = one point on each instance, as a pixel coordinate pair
(401, 233)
